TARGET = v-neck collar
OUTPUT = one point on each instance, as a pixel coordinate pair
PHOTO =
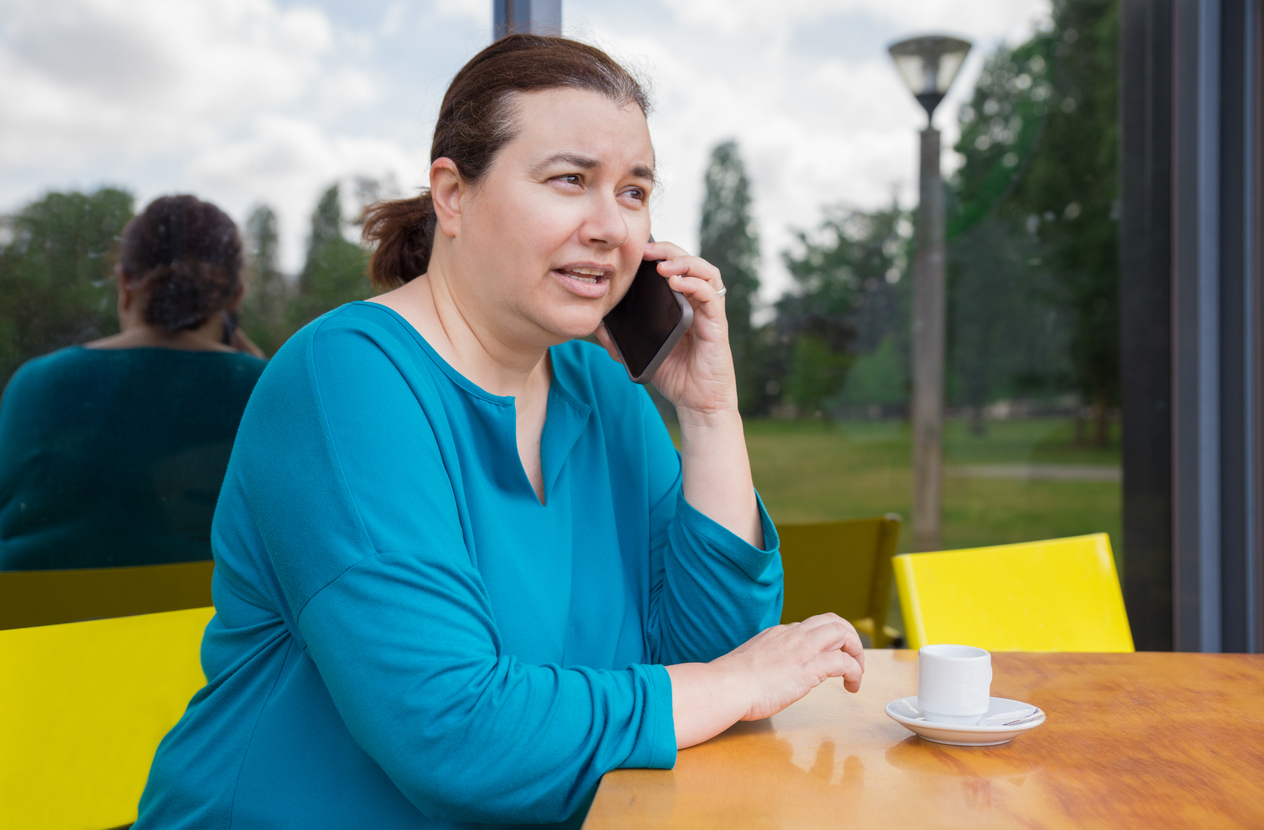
(565, 417)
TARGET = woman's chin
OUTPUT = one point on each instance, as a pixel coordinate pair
(576, 334)
(573, 327)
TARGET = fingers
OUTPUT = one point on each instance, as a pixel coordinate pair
(830, 632)
(822, 619)
(838, 636)
(690, 275)
(664, 250)
(840, 664)
(695, 288)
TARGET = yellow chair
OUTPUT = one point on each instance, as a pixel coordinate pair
(1055, 595)
(82, 709)
(29, 598)
(844, 567)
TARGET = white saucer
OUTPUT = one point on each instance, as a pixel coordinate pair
(906, 712)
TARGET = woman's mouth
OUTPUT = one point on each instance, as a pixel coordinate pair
(585, 281)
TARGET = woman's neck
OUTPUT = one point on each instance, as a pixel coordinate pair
(206, 338)
(480, 350)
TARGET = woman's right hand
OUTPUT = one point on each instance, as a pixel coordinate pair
(764, 675)
(783, 663)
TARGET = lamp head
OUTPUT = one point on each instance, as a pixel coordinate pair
(928, 65)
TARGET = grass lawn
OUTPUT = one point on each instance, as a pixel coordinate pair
(806, 472)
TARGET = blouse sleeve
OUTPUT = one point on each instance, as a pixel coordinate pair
(710, 590)
(360, 521)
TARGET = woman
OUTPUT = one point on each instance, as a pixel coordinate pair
(460, 573)
(112, 453)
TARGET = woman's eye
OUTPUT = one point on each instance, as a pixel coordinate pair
(570, 178)
(637, 193)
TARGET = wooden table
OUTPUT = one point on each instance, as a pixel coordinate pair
(1151, 740)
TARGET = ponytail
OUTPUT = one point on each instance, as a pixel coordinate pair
(402, 232)
(184, 294)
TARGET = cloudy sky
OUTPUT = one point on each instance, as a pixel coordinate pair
(250, 101)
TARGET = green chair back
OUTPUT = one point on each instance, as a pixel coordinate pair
(29, 598)
(843, 567)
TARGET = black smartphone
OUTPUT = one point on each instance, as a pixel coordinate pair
(648, 322)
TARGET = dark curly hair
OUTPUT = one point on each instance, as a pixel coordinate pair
(188, 253)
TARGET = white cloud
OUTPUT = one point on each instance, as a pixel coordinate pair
(286, 162)
(240, 101)
(95, 76)
(738, 17)
(472, 10)
(819, 119)
(393, 18)
(246, 101)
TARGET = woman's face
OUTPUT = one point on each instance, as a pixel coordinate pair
(551, 237)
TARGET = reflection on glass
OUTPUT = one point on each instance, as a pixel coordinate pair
(1031, 442)
(113, 452)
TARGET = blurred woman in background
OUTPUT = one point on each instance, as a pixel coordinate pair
(113, 452)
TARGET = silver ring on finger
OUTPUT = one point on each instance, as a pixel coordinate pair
(721, 292)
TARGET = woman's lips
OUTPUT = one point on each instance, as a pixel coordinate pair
(583, 282)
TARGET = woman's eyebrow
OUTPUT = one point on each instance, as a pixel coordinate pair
(573, 159)
(587, 163)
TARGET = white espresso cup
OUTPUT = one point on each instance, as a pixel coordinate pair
(953, 683)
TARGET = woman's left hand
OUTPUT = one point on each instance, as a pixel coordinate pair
(698, 374)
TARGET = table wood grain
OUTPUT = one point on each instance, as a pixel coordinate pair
(1151, 740)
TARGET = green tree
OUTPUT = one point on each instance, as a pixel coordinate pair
(818, 371)
(56, 286)
(1000, 129)
(1039, 140)
(729, 241)
(1007, 337)
(336, 270)
(1072, 187)
(263, 310)
(846, 301)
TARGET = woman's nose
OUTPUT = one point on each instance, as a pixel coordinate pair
(605, 225)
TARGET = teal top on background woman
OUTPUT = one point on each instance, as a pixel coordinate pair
(405, 636)
(115, 456)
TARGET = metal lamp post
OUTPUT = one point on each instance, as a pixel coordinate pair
(928, 65)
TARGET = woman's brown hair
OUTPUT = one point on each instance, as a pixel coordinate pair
(188, 254)
(476, 119)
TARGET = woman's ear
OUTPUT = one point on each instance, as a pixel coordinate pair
(125, 291)
(447, 192)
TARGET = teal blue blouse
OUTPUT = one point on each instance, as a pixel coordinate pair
(405, 637)
(115, 456)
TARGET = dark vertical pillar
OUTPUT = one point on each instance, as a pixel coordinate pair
(1254, 220)
(1192, 205)
(1240, 378)
(928, 349)
(1146, 306)
(1235, 314)
(1196, 497)
(537, 17)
